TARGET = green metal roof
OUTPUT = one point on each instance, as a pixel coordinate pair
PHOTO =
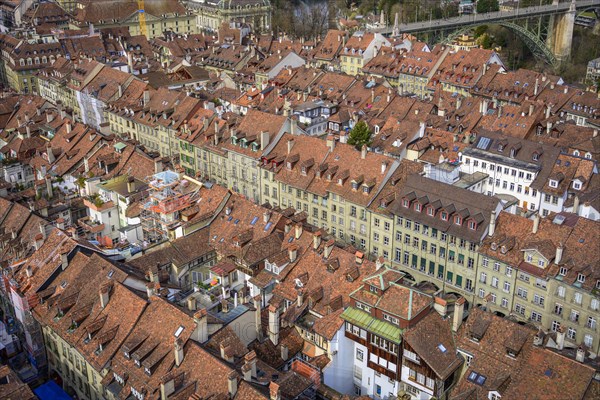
(376, 326)
(120, 146)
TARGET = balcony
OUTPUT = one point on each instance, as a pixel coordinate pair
(90, 225)
(97, 204)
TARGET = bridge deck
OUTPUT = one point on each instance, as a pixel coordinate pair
(474, 19)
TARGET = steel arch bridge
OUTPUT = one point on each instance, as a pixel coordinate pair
(532, 40)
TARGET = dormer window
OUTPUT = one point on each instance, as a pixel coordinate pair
(562, 271)
(553, 183)
(354, 185)
(289, 165)
(366, 189)
(418, 207)
(373, 289)
(500, 147)
(430, 211)
(405, 203)
(580, 278)
(304, 171)
(535, 156)
(512, 153)
(340, 181)
(576, 185)
(472, 225)
(444, 216)
(457, 220)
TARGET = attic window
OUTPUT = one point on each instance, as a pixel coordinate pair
(512, 153)
(304, 171)
(500, 147)
(553, 183)
(472, 225)
(354, 185)
(562, 271)
(373, 289)
(430, 211)
(405, 203)
(535, 156)
(444, 216)
(366, 189)
(580, 278)
(418, 207)
(340, 181)
(576, 185)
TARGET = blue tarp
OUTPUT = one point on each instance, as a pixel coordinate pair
(51, 391)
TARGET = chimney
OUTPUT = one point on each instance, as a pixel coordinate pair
(298, 230)
(43, 230)
(288, 227)
(29, 271)
(274, 325)
(328, 248)
(178, 347)
(64, 258)
(363, 151)
(39, 241)
(290, 144)
(575, 204)
(274, 391)
(484, 107)
(226, 352)
(150, 289)
(266, 216)
(104, 295)
(492, 226)
(284, 352)
(459, 309)
(257, 317)
(359, 257)
(131, 184)
(560, 337)
(548, 109)
(227, 210)
(293, 252)
(548, 127)
(191, 303)
(383, 167)
(331, 142)
(536, 88)
(146, 98)
(167, 386)
(580, 354)
(158, 165)
(559, 253)
(250, 360)
(300, 298)
(68, 126)
(343, 137)
(595, 133)
(200, 333)
(379, 263)
(536, 223)
(232, 383)
(316, 240)
(531, 108)
(264, 140)
(49, 186)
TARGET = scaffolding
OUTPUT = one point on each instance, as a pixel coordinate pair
(167, 196)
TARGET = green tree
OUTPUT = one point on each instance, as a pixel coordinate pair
(360, 135)
(484, 6)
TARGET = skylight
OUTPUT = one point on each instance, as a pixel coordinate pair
(179, 331)
(237, 221)
(253, 222)
(268, 226)
(442, 348)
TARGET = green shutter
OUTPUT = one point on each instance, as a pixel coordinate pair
(449, 276)
(414, 260)
(458, 280)
(431, 268)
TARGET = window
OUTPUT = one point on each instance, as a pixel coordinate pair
(494, 282)
(481, 293)
(588, 340)
(359, 354)
(574, 316)
(577, 298)
(580, 278)
(571, 333)
(506, 287)
(536, 316)
(483, 277)
(519, 309)
(504, 302)
(560, 292)
(591, 323)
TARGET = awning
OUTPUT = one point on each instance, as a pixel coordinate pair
(51, 391)
(309, 349)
